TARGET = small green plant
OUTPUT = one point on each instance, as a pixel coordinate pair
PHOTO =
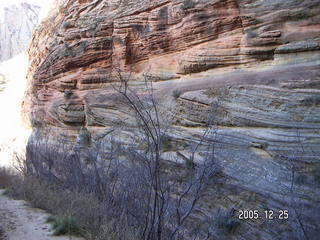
(251, 34)
(190, 163)
(187, 4)
(301, 179)
(75, 50)
(64, 225)
(141, 29)
(316, 174)
(317, 178)
(7, 192)
(311, 101)
(67, 25)
(67, 94)
(50, 219)
(225, 222)
(68, 51)
(83, 46)
(176, 93)
(166, 143)
(197, 67)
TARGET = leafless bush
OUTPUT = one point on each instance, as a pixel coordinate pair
(5, 177)
(124, 192)
(168, 198)
(90, 214)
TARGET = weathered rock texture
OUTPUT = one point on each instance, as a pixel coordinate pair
(16, 25)
(257, 61)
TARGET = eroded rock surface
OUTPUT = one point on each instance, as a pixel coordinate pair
(256, 62)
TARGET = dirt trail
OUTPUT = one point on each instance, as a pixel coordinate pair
(19, 221)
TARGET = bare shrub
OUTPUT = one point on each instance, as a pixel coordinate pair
(74, 212)
(167, 199)
(126, 191)
(5, 177)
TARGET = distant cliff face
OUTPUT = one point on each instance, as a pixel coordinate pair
(259, 60)
(16, 25)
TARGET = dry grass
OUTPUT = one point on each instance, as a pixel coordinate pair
(73, 212)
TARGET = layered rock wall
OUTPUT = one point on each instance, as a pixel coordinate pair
(256, 62)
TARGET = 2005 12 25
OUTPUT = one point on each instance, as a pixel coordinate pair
(266, 214)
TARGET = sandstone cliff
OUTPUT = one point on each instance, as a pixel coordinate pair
(16, 25)
(259, 60)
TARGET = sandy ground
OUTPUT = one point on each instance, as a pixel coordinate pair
(19, 221)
